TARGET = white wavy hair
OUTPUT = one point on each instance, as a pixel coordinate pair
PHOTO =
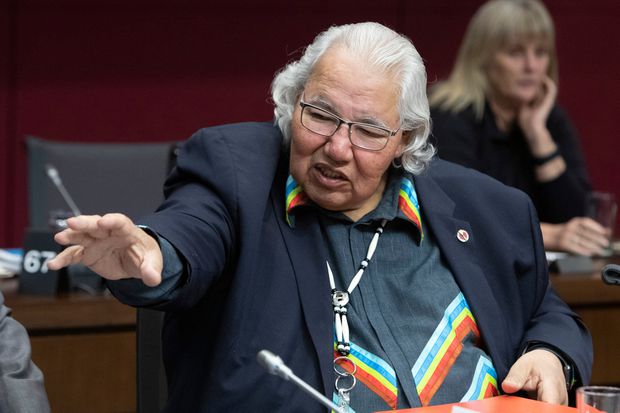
(382, 48)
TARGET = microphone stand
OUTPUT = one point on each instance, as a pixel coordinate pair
(274, 365)
(54, 176)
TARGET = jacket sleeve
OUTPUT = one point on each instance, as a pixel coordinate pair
(217, 170)
(197, 219)
(552, 322)
(21, 382)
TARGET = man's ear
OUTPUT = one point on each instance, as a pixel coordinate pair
(407, 136)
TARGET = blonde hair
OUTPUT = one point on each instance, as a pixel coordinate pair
(382, 48)
(494, 26)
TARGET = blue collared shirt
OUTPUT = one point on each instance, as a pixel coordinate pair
(414, 339)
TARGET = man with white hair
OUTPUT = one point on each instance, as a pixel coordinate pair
(381, 278)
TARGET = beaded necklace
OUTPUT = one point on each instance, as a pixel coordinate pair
(340, 300)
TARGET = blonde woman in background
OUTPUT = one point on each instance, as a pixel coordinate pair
(497, 113)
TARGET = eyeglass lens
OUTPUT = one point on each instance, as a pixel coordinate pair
(362, 135)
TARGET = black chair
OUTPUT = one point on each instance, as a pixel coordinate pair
(105, 177)
(151, 386)
(101, 177)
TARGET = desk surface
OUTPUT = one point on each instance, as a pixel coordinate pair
(84, 344)
(66, 310)
(498, 404)
(587, 289)
(82, 310)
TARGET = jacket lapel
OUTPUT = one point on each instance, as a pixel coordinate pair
(462, 257)
(307, 252)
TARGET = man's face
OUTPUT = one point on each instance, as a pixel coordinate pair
(335, 174)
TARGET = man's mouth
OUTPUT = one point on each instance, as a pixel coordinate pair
(329, 175)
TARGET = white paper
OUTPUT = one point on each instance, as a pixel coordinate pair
(459, 409)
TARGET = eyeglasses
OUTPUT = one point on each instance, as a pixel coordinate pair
(361, 135)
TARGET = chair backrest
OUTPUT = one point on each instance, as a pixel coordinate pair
(151, 387)
(109, 177)
(100, 177)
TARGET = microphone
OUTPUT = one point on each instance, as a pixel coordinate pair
(274, 365)
(611, 274)
(54, 176)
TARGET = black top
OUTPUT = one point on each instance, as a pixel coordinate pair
(479, 144)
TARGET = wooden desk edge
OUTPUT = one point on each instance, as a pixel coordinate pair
(67, 310)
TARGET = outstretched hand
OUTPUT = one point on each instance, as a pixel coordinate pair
(540, 373)
(112, 246)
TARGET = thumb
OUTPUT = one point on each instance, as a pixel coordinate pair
(516, 379)
(152, 263)
(151, 268)
(150, 276)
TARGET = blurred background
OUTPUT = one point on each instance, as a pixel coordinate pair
(137, 70)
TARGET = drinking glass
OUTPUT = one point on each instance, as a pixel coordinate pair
(598, 399)
(602, 208)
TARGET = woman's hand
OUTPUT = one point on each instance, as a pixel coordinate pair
(112, 246)
(581, 235)
(532, 118)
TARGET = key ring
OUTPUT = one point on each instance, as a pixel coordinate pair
(345, 389)
(344, 372)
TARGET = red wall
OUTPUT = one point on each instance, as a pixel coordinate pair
(139, 70)
(5, 153)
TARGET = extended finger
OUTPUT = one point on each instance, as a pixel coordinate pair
(87, 224)
(590, 225)
(593, 234)
(594, 243)
(117, 224)
(552, 89)
(578, 245)
(70, 255)
(72, 237)
(108, 248)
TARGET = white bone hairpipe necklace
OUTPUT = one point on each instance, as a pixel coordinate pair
(340, 299)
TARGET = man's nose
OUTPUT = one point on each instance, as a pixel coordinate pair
(338, 146)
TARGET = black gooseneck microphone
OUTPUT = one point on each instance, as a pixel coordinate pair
(611, 274)
(274, 365)
(54, 176)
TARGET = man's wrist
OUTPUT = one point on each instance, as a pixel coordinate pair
(567, 365)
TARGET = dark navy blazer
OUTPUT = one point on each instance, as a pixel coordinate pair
(252, 282)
